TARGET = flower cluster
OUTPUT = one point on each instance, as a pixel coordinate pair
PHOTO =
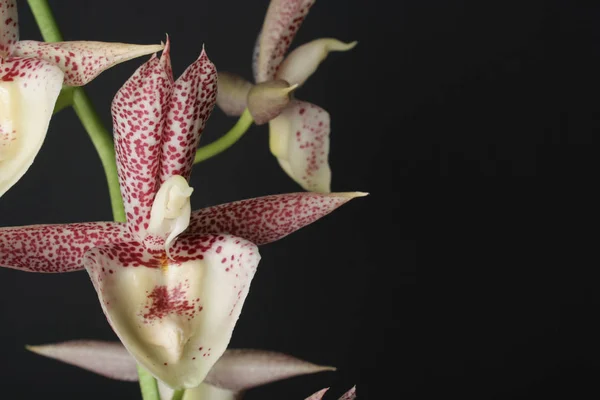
(171, 281)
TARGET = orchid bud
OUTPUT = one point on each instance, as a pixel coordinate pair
(268, 99)
(232, 91)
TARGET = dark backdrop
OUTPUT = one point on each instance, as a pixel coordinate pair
(469, 122)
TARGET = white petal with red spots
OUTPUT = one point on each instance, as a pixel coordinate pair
(299, 138)
(55, 248)
(282, 21)
(175, 316)
(82, 61)
(192, 100)
(139, 114)
(9, 27)
(266, 219)
(28, 90)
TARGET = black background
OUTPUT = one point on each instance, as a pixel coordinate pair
(469, 122)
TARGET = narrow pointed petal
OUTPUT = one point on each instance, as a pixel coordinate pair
(266, 219)
(139, 112)
(268, 99)
(319, 395)
(9, 27)
(350, 394)
(243, 369)
(175, 316)
(303, 61)
(28, 91)
(55, 248)
(232, 93)
(193, 99)
(299, 138)
(82, 61)
(109, 359)
(282, 21)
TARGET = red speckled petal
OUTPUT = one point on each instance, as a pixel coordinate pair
(232, 93)
(109, 359)
(193, 99)
(9, 27)
(282, 21)
(83, 61)
(319, 395)
(243, 369)
(139, 113)
(266, 219)
(55, 248)
(175, 316)
(28, 91)
(299, 138)
(301, 63)
(350, 394)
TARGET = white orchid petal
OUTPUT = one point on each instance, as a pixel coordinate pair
(28, 91)
(304, 60)
(208, 392)
(9, 27)
(299, 138)
(82, 61)
(176, 316)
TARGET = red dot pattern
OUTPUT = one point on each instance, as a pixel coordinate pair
(266, 219)
(55, 248)
(282, 21)
(9, 27)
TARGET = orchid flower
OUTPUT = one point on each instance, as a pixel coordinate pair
(171, 282)
(299, 131)
(235, 372)
(31, 77)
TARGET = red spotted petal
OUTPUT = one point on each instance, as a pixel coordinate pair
(350, 394)
(193, 99)
(299, 138)
(28, 91)
(83, 61)
(175, 316)
(9, 26)
(266, 219)
(282, 21)
(139, 112)
(319, 395)
(55, 248)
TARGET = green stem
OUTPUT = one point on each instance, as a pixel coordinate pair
(65, 99)
(148, 385)
(101, 139)
(225, 141)
(103, 143)
(178, 394)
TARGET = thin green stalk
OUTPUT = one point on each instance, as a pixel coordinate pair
(148, 385)
(101, 139)
(65, 99)
(227, 140)
(178, 394)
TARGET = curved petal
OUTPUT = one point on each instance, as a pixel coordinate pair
(299, 138)
(176, 319)
(193, 99)
(268, 99)
(243, 369)
(55, 248)
(304, 60)
(28, 90)
(139, 112)
(109, 359)
(350, 394)
(82, 61)
(266, 219)
(232, 93)
(9, 27)
(282, 21)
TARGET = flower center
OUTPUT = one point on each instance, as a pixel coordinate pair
(171, 210)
